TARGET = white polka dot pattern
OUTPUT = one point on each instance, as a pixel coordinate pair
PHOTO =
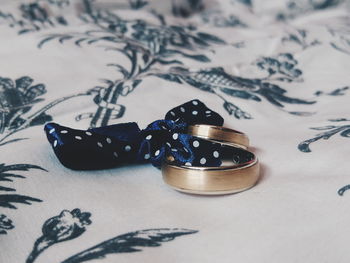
(104, 147)
(127, 148)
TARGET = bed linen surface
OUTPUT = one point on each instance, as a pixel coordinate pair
(276, 70)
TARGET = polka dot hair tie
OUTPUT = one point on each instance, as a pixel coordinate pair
(125, 143)
(190, 136)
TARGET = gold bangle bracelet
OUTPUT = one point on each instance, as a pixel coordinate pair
(241, 175)
(221, 134)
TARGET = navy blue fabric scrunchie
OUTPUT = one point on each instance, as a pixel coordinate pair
(111, 146)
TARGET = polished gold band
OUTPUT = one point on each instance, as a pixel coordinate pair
(239, 171)
(220, 134)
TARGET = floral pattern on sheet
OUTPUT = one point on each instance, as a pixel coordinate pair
(343, 129)
(154, 50)
(66, 226)
(343, 189)
(147, 46)
(129, 243)
(17, 99)
(8, 198)
(69, 225)
(300, 37)
(336, 92)
(295, 8)
(217, 19)
(36, 15)
(340, 33)
(282, 68)
(5, 224)
(137, 4)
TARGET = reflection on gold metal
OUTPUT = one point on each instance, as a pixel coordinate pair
(220, 134)
(231, 177)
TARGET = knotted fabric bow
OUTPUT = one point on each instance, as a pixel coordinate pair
(111, 146)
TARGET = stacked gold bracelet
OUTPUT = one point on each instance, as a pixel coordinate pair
(239, 170)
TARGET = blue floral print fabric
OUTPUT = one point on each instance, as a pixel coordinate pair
(276, 70)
